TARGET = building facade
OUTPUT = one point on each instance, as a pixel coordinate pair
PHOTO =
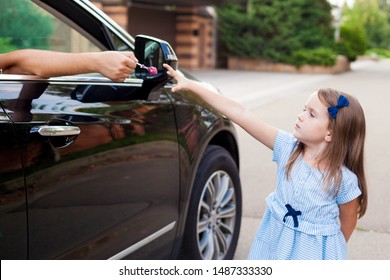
(188, 25)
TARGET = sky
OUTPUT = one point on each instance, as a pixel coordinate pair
(341, 2)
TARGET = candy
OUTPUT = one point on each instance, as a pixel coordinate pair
(151, 70)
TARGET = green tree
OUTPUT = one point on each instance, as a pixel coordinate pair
(384, 6)
(374, 16)
(6, 45)
(22, 25)
(353, 40)
(314, 27)
(274, 29)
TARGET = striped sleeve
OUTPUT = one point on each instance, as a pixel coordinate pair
(284, 143)
(349, 187)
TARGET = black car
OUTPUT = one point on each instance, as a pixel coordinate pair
(94, 169)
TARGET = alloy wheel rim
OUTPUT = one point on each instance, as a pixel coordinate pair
(216, 216)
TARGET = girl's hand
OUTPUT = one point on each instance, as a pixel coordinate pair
(182, 82)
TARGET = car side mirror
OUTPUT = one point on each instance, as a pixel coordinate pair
(153, 52)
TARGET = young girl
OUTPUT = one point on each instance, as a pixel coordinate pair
(321, 188)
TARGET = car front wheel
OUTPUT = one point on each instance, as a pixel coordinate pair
(214, 216)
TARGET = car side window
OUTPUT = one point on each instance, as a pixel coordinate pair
(24, 24)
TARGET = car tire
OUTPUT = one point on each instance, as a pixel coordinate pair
(214, 215)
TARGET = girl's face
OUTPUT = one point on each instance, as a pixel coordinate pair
(312, 125)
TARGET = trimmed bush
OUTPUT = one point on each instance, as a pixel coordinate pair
(274, 30)
(353, 41)
(318, 56)
(381, 53)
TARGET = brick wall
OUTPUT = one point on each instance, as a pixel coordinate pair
(190, 30)
(194, 39)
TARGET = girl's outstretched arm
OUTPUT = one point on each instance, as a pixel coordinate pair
(348, 218)
(233, 110)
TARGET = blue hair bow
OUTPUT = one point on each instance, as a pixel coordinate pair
(342, 102)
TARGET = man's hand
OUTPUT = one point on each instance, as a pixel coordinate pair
(115, 65)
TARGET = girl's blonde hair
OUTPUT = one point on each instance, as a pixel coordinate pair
(346, 147)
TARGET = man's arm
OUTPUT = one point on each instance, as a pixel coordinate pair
(115, 65)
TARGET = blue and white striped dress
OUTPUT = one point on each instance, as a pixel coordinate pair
(312, 233)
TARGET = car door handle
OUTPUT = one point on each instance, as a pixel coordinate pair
(56, 130)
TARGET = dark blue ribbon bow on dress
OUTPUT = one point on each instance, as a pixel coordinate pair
(293, 213)
(342, 102)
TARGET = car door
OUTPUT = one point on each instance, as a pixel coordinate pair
(13, 209)
(100, 158)
(96, 193)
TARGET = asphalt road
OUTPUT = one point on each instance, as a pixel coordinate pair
(277, 98)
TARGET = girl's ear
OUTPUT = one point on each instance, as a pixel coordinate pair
(328, 136)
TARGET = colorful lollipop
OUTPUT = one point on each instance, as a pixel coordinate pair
(151, 70)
